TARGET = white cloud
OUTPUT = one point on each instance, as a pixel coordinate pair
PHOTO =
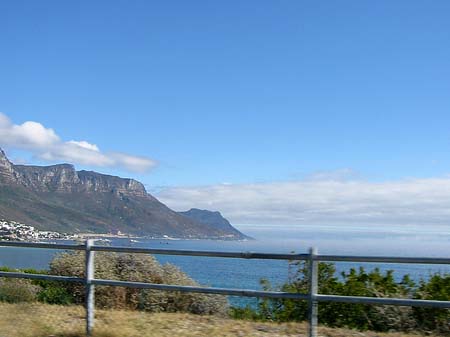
(85, 145)
(45, 144)
(29, 135)
(413, 201)
(132, 163)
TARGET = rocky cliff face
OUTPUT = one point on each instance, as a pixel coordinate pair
(6, 168)
(60, 198)
(95, 182)
(64, 178)
(61, 178)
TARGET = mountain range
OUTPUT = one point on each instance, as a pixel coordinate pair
(59, 198)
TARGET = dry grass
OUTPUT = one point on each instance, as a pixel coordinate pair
(38, 320)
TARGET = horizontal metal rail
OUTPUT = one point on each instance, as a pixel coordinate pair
(383, 301)
(238, 255)
(41, 277)
(204, 290)
(41, 245)
(383, 259)
(205, 253)
(235, 292)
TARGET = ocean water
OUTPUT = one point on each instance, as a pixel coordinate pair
(241, 273)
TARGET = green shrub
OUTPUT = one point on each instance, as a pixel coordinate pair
(17, 290)
(360, 316)
(54, 293)
(47, 291)
(246, 313)
(138, 268)
(437, 288)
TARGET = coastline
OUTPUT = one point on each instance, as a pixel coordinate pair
(84, 236)
(16, 231)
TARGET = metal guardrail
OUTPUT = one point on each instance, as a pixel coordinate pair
(313, 259)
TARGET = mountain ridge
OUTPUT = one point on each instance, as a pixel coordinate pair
(211, 218)
(59, 198)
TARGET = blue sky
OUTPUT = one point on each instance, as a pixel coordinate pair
(237, 92)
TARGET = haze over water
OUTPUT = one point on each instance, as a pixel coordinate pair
(401, 240)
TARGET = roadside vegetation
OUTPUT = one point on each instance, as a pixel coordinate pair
(122, 267)
(358, 316)
(25, 294)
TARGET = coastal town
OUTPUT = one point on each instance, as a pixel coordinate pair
(16, 231)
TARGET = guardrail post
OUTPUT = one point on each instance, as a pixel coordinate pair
(313, 290)
(90, 301)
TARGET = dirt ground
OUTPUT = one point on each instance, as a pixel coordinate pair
(39, 320)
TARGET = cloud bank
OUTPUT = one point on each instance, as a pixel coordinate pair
(405, 202)
(46, 145)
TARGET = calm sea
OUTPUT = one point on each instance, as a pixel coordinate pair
(237, 273)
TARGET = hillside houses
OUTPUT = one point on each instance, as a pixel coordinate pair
(15, 231)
